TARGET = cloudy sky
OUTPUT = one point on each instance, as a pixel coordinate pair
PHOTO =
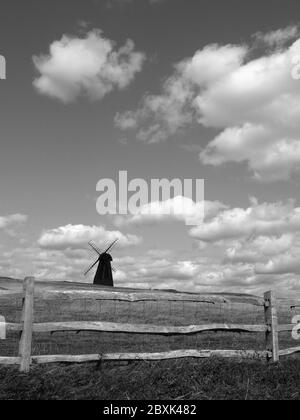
(188, 89)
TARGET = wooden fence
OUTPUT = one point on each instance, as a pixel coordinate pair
(27, 327)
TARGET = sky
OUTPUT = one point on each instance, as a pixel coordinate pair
(190, 89)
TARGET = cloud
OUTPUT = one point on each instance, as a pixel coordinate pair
(10, 223)
(161, 116)
(203, 273)
(278, 38)
(268, 255)
(90, 66)
(253, 104)
(259, 219)
(265, 254)
(264, 237)
(281, 264)
(257, 249)
(182, 270)
(78, 236)
(126, 121)
(179, 208)
(259, 122)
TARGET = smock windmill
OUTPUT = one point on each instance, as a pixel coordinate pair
(103, 274)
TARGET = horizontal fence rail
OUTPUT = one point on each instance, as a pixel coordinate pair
(137, 328)
(289, 352)
(140, 296)
(27, 327)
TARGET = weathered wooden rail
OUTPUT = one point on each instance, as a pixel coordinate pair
(27, 327)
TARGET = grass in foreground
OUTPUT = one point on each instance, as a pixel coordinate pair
(179, 379)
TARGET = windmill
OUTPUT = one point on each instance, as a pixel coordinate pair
(103, 274)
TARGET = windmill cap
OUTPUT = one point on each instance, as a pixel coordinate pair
(106, 257)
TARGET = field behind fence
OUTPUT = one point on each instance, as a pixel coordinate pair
(79, 323)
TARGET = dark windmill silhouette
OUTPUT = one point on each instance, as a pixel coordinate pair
(103, 274)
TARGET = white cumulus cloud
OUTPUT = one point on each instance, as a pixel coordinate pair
(179, 208)
(90, 66)
(258, 219)
(77, 237)
(253, 104)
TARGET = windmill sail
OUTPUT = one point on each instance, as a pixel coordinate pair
(95, 248)
(111, 246)
(90, 268)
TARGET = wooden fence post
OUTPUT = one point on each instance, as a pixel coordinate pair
(27, 321)
(272, 341)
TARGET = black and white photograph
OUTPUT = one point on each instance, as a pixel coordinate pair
(149, 203)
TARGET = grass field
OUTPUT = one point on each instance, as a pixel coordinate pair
(183, 379)
(194, 379)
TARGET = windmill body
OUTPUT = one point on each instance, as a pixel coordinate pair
(103, 276)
